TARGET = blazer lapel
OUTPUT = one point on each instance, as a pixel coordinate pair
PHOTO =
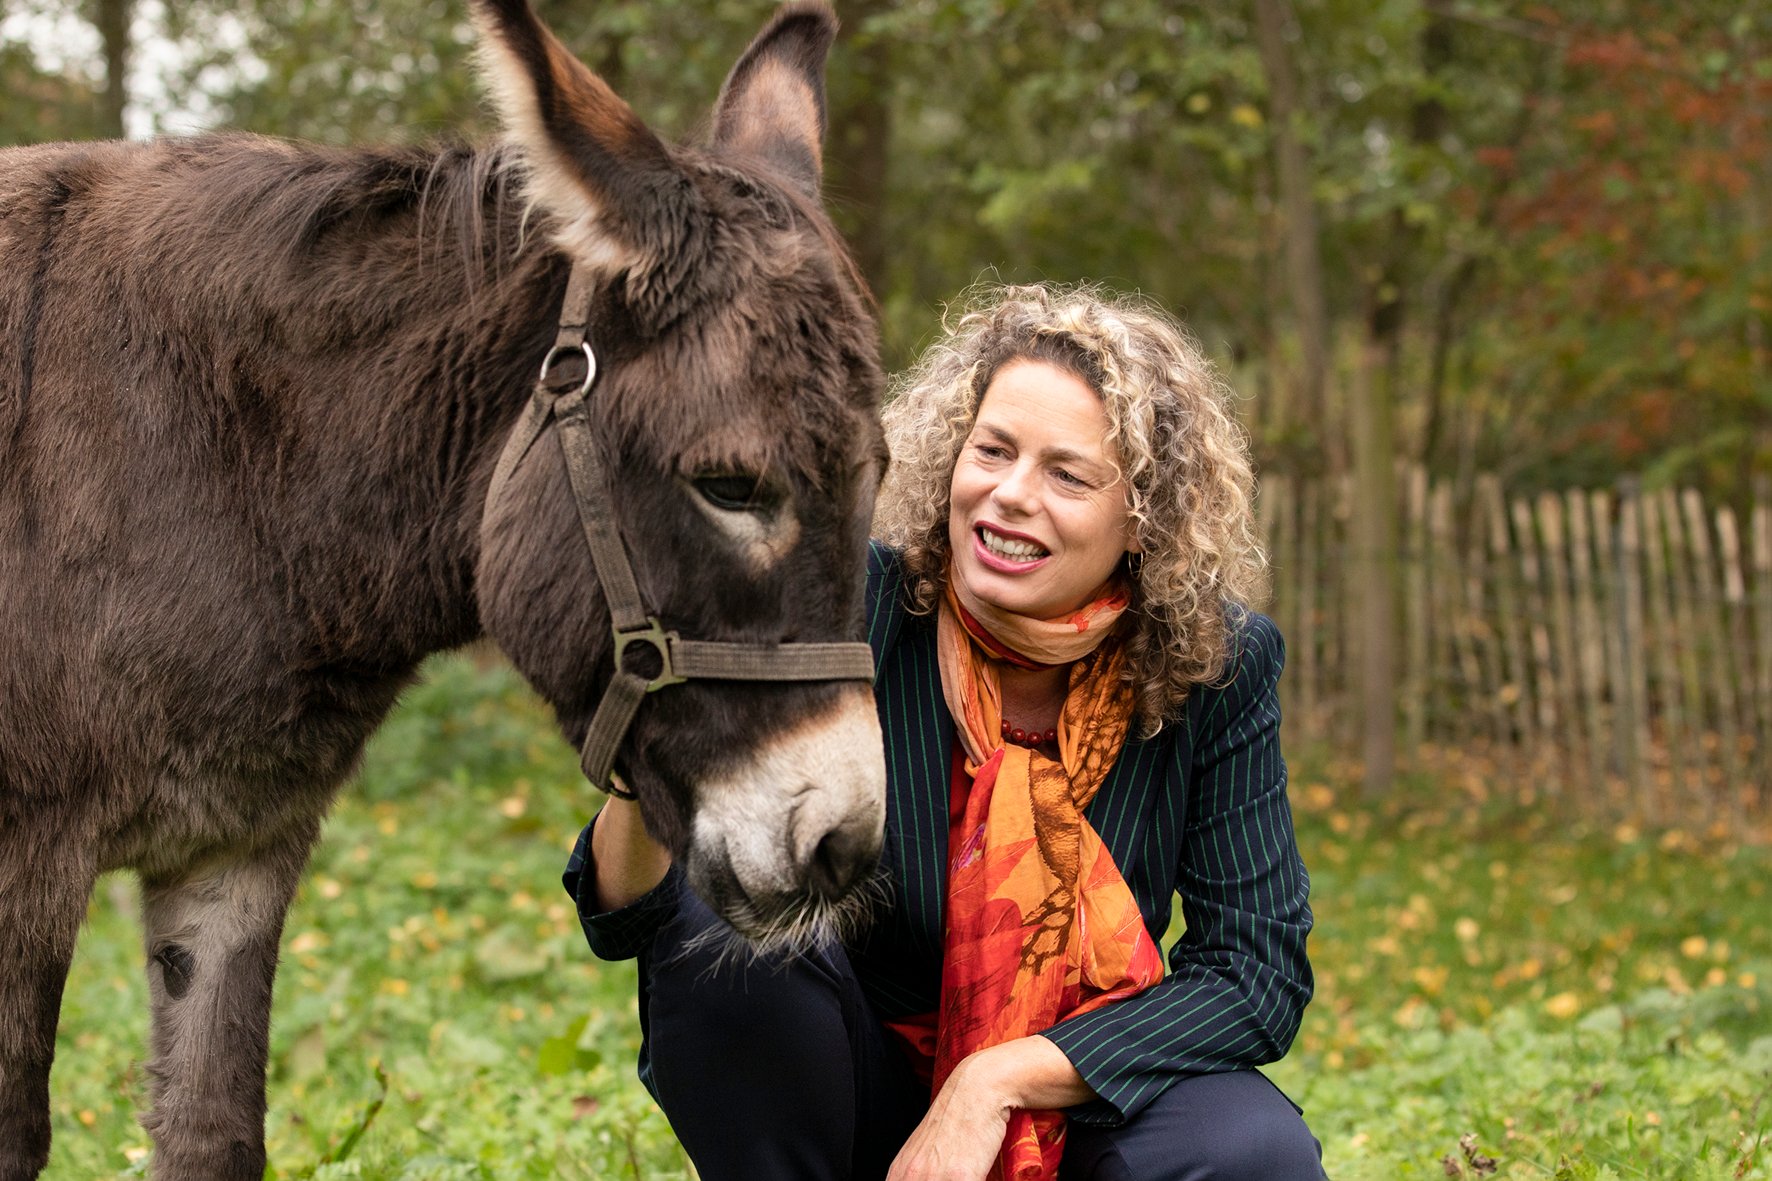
(920, 739)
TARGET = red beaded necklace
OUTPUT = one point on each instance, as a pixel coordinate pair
(1022, 737)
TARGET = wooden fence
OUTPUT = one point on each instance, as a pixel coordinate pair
(1612, 645)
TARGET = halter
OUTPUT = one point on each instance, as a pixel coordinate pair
(565, 403)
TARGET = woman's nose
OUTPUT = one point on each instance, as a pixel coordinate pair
(1015, 491)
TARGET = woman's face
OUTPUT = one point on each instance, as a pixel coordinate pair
(1038, 517)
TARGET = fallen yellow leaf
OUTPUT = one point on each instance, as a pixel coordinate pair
(1563, 1006)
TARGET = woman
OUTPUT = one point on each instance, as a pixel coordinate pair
(1081, 721)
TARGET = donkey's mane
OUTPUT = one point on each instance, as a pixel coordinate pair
(289, 196)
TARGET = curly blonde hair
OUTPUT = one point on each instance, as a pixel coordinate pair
(1185, 460)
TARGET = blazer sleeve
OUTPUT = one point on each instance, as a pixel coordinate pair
(1239, 979)
(623, 934)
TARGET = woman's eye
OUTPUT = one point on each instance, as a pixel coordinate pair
(728, 492)
(1070, 480)
(990, 451)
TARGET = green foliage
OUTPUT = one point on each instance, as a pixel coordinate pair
(1585, 1003)
(1118, 141)
(1564, 208)
(41, 107)
(1633, 277)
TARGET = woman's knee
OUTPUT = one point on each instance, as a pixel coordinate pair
(709, 999)
(1271, 1146)
(1221, 1127)
(765, 1068)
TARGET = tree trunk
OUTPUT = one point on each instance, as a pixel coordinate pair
(112, 19)
(859, 141)
(1304, 263)
(1374, 568)
(1756, 200)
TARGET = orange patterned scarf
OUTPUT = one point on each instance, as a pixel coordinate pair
(1041, 925)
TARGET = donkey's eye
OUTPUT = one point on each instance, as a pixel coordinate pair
(729, 492)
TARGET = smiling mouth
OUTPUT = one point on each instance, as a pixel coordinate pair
(1010, 549)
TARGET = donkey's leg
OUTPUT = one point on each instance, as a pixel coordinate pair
(45, 880)
(212, 938)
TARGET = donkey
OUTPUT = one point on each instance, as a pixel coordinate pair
(253, 398)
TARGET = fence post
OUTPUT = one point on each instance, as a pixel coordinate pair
(1740, 650)
(1691, 663)
(1605, 604)
(1270, 525)
(1275, 517)
(1454, 631)
(1762, 543)
(1664, 628)
(1310, 555)
(1632, 683)
(1418, 613)
(1338, 666)
(1544, 674)
(1721, 671)
(1555, 582)
(1588, 645)
(1518, 677)
(1491, 677)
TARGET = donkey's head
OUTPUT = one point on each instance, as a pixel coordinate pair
(736, 413)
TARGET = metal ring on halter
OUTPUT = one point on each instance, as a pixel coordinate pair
(558, 351)
(655, 635)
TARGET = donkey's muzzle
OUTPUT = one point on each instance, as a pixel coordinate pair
(797, 823)
(839, 860)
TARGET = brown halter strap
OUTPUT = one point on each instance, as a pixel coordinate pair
(566, 405)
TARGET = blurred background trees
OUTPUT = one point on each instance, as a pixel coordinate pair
(1492, 238)
(1537, 233)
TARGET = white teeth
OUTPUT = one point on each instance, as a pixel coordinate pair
(1005, 547)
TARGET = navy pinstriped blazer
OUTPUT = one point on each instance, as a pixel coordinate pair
(1199, 810)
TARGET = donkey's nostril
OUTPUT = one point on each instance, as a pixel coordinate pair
(836, 863)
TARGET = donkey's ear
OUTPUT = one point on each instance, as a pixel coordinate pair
(617, 197)
(773, 105)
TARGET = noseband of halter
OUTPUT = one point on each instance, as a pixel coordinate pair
(563, 400)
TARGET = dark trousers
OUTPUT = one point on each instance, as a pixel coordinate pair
(782, 1071)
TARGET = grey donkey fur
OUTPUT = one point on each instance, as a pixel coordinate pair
(251, 397)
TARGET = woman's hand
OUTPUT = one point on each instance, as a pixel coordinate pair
(629, 862)
(963, 1131)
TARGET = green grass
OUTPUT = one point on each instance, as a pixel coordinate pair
(1579, 999)
(1586, 1003)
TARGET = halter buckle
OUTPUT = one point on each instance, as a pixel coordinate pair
(661, 640)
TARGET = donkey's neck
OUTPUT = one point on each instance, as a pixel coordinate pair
(396, 313)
